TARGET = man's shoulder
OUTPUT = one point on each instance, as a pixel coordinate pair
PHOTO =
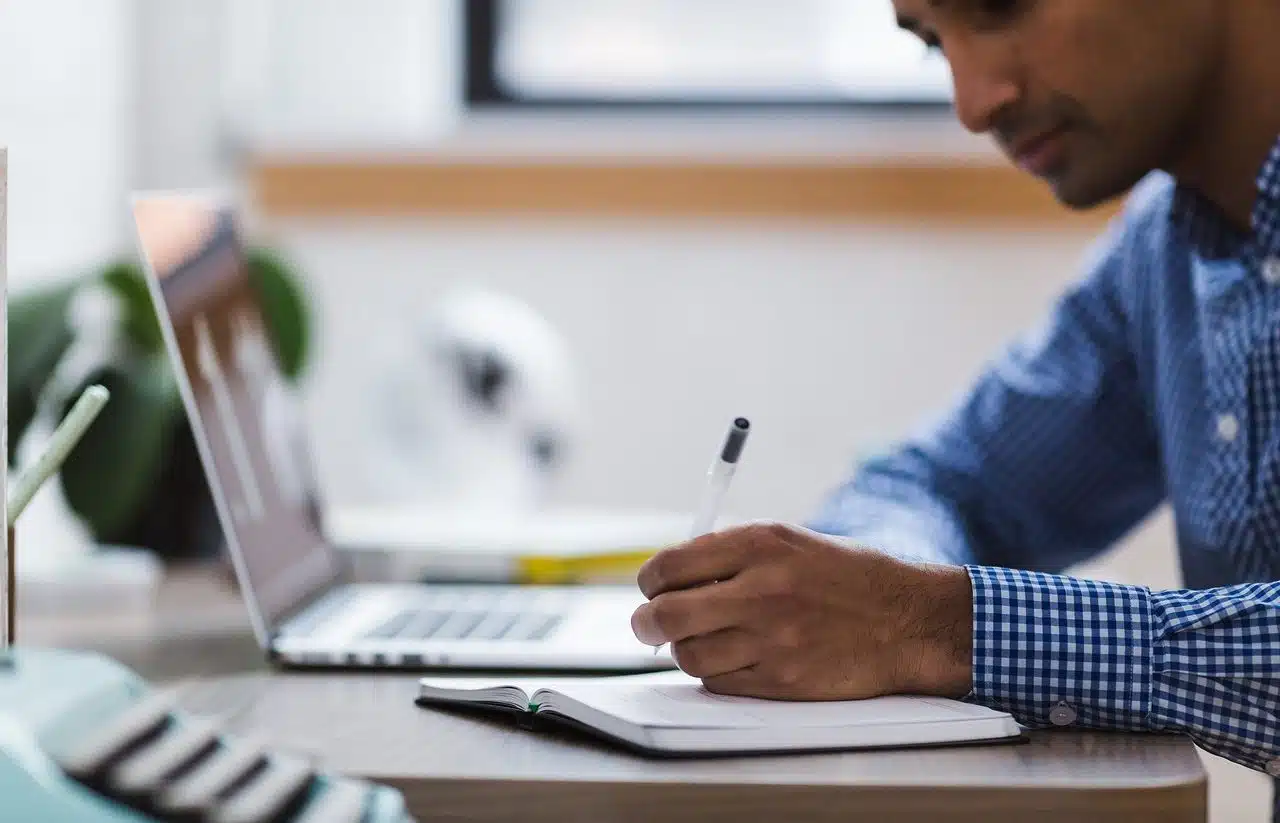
(1150, 204)
(1142, 236)
(1128, 268)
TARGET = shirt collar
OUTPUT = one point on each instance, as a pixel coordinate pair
(1202, 225)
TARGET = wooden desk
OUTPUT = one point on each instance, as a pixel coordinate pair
(454, 767)
(457, 767)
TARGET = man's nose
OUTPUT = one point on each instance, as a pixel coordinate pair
(985, 85)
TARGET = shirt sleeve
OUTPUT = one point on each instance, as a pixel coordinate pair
(1047, 460)
(1059, 651)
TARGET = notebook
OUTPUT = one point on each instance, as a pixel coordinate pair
(672, 714)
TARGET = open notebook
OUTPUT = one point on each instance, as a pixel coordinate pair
(671, 713)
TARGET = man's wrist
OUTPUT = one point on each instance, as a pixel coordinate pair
(938, 654)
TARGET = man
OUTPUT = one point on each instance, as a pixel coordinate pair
(1155, 378)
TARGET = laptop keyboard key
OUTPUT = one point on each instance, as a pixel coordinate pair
(495, 627)
(458, 626)
(392, 627)
(545, 628)
(473, 622)
(425, 624)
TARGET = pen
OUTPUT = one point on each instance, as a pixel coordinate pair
(61, 442)
(718, 477)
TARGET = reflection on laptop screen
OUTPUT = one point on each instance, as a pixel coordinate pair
(246, 417)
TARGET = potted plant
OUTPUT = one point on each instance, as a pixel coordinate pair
(135, 479)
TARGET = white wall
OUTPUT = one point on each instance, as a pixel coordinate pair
(181, 138)
(828, 337)
(66, 113)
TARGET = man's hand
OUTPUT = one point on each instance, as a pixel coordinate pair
(776, 611)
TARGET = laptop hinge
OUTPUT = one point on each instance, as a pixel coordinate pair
(273, 654)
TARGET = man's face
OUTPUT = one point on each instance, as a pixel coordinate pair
(1088, 95)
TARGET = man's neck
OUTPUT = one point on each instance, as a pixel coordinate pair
(1241, 119)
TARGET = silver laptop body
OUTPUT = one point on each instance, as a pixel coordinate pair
(246, 420)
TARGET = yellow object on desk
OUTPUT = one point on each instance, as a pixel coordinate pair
(553, 545)
(600, 568)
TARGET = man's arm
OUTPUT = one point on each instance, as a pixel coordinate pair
(774, 611)
(1055, 650)
(1047, 460)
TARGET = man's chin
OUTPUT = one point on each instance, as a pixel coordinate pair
(1080, 194)
(1077, 199)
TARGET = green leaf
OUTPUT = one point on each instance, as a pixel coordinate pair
(113, 471)
(284, 307)
(38, 336)
(141, 324)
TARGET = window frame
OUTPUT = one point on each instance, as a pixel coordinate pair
(481, 21)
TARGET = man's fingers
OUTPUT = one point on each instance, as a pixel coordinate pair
(744, 682)
(716, 556)
(717, 653)
(677, 615)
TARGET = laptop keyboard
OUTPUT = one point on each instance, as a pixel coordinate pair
(427, 623)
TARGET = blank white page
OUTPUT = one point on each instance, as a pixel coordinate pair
(675, 700)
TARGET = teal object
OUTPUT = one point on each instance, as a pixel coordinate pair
(52, 702)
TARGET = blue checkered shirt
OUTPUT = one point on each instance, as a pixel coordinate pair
(1155, 378)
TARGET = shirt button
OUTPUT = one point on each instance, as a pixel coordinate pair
(1228, 427)
(1062, 714)
(1273, 768)
(1271, 270)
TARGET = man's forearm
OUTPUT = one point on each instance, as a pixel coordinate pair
(1059, 651)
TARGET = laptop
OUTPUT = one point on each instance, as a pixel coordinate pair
(305, 607)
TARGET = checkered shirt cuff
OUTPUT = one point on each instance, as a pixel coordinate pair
(1054, 650)
(1060, 651)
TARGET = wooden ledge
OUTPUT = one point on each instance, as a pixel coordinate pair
(932, 191)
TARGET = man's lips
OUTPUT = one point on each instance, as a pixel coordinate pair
(1040, 153)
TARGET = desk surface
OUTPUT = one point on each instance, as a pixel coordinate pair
(456, 766)
(453, 766)
(196, 626)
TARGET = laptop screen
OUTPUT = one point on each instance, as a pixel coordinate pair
(245, 414)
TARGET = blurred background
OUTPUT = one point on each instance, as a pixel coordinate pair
(700, 209)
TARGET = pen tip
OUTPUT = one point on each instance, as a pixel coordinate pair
(742, 423)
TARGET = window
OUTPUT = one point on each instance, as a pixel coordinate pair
(673, 52)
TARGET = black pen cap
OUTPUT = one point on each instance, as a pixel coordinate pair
(735, 441)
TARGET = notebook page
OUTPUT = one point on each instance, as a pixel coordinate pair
(460, 687)
(686, 703)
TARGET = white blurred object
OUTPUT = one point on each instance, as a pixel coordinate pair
(474, 405)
